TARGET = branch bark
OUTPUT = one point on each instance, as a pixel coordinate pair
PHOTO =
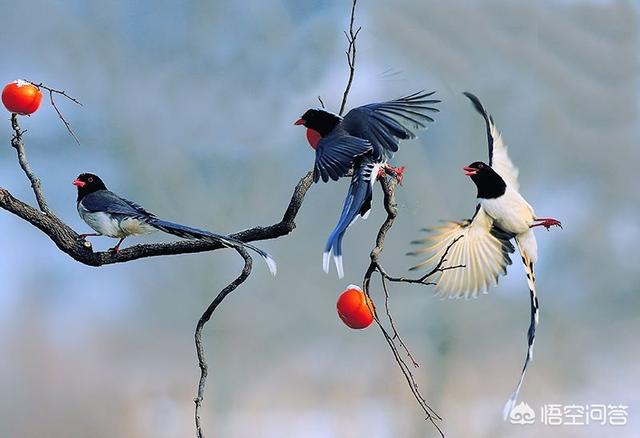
(202, 362)
(389, 186)
(18, 145)
(69, 242)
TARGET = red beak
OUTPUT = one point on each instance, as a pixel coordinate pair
(76, 182)
(299, 122)
(469, 171)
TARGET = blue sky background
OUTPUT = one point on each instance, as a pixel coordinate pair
(188, 109)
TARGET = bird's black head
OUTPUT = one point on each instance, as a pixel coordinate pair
(490, 185)
(319, 120)
(88, 183)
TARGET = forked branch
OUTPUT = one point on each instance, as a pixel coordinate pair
(202, 363)
(63, 93)
(389, 186)
(351, 35)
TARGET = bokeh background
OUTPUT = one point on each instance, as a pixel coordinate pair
(188, 109)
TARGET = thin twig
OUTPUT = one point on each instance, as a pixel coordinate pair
(206, 316)
(18, 144)
(391, 207)
(53, 91)
(351, 55)
(396, 335)
(321, 102)
(439, 267)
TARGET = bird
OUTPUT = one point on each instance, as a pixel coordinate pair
(360, 144)
(113, 216)
(478, 249)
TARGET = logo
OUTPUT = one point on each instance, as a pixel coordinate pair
(556, 414)
(522, 414)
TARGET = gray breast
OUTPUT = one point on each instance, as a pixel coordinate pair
(101, 222)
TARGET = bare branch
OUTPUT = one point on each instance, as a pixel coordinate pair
(53, 91)
(18, 144)
(351, 55)
(206, 316)
(396, 335)
(439, 267)
(391, 207)
(68, 241)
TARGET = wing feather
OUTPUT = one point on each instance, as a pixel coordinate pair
(108, 202)
(384, 124)
(498, 152)
(335, 155)
(482, 249)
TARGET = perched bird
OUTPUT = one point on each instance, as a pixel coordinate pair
(482, 251)
(361, 143)
(113, 216)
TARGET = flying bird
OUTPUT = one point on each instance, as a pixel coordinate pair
(484, 246)
(361, 142)
(111, 215)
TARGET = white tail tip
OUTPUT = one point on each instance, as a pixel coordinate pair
(339, 267)
(271, 263)
(326, 256)
(508, 406)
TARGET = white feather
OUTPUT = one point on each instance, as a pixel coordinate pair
(326, 257)
(111, 226)
(500, 161)
(339, 267)
(482, 254)
(271, 264)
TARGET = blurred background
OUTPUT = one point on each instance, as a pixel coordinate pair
(188, 109)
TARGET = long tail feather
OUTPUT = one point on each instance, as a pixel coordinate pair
(195, 233)
(531, 334)
(356, 204)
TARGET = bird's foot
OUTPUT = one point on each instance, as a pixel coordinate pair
(547, 222)
(396, 172)
(116, 248)
(84, 236)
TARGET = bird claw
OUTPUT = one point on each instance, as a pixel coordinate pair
(396, 172)
(547, 223)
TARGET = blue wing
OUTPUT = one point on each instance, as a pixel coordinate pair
(108, 202)
(336, 154)
(385, 124)
(357, 203)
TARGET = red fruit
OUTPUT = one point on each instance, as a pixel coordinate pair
(355, 309)
(21, 97)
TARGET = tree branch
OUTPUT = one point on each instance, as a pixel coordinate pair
(389, 186)
(53, 91)
(18, 144)
(351, 55)
(69, 242)
(439, 267)
(202, 363)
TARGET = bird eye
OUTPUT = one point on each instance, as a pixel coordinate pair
(90, 179)
(480, 166)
